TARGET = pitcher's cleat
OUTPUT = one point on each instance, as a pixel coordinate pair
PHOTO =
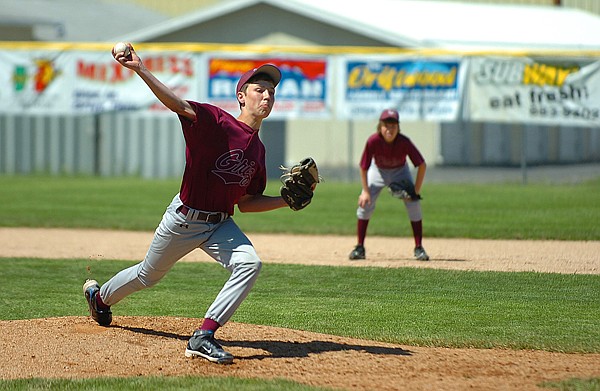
(203, 344)
(101, 315)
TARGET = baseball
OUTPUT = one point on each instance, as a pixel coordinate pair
(121, 47)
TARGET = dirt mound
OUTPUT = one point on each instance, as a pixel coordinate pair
(75, 347)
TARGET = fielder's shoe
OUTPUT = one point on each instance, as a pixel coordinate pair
(420, 254)
(358, 253)
(101, 315)
(203, 344)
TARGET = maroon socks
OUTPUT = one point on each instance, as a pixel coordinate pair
(417, 227)
(361, 229)
(209, 324)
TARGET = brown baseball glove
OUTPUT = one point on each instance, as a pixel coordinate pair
(299, 183)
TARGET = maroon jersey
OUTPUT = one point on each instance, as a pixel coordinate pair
(389, 155)
(224, 160)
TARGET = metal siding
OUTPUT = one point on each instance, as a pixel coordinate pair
(37, 144)
(595, 144)
(67, 145)
(152, 146)
(452, 135)
(569, 141)
(495, 145)
(537, 144)
(8, 144)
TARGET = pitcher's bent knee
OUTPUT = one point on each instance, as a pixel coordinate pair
(251, 265)
(148, 276)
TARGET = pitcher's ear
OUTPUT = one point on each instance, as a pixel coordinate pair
(241, 97)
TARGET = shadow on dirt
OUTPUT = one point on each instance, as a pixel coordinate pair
(281, 349)
(291, 349)
(142, 330)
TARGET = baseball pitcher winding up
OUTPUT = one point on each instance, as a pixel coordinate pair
(225, 166)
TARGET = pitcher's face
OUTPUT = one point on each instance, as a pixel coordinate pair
(258, 98)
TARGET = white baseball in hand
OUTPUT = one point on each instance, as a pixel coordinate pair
(121, 47)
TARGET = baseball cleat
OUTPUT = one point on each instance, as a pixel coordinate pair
(420, 254)
(358, 253)
(102, 316)
(203, 344)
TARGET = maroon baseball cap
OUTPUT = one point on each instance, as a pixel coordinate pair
(389, 114)
(269, 69)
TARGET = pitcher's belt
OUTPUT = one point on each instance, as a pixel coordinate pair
(209, 217)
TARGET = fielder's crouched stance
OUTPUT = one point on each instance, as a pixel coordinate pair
(225, 166)
(384, 164)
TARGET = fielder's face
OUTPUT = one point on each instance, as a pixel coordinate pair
(257, 98)
(389, 130)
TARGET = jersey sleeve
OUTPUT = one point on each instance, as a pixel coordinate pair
(414, 155)
(205, 115)
(258, 183)
(367, 156)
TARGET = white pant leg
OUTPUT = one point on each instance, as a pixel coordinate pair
(173, 238)
(231, 247)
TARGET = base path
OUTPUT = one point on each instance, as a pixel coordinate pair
(459, 254)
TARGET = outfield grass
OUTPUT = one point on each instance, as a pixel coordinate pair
(496, 211)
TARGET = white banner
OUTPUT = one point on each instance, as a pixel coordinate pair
(33, 81)
(523, 90)
(428, 89)
(88, 82)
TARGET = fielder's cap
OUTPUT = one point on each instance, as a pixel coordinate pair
(269, 69)
(389, 114)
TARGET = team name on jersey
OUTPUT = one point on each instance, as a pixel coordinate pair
(233, 168)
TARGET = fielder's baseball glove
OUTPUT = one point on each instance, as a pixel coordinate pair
(405, 190)
(299, 183)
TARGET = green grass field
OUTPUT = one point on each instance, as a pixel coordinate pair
(497, 211)
(425, 307)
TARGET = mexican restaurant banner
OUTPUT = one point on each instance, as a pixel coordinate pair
(303, 90)
(43, 81)
(419, 88)
(529, 91)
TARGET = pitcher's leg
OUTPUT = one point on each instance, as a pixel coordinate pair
(172, 240)
(230, 247)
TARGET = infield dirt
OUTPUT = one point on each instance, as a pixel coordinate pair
(75, 347)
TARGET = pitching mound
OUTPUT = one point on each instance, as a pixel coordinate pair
(75, 347)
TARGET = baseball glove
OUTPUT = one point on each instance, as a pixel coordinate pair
(405, 190)
(299, 183)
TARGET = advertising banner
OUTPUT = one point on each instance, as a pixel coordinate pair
(34, 81)
(302, 92)
(102, 84)
(420, 89)
(529, 91)
(88, 81)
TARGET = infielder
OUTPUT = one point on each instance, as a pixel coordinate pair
(225, 166)
(383, 164)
